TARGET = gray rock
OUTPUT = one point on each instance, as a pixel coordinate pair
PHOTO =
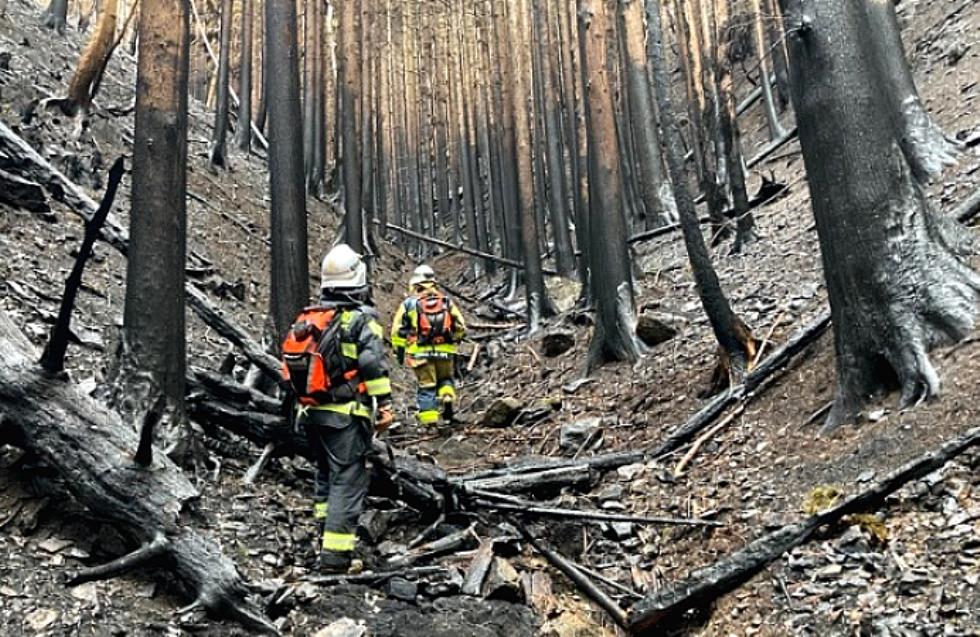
(401, 588)
(622, 530)
(655, 328)
(501, 413)
(557, 342)
(503, 582)
(573, 435)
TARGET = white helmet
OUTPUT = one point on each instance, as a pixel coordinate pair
(422, 274)
(342, 269)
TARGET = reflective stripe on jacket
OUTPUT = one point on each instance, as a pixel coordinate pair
(405, 328)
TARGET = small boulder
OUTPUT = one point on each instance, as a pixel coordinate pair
(503, 582)
(501, 413)
(655, 328)
(345, 627)
(557, 342)
(573, 435)
(401, 588)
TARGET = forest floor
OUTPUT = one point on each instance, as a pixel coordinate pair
(753, 475)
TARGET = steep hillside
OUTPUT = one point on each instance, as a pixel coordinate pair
(754, 474)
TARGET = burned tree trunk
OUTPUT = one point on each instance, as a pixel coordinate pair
(93, 449)
(896, 275)
(216, 155)
(350, 86)
(244, 133)
(290, 268)
(763, 52)
(737, 346)
(81, 88)
(56, 15)
(610, 279)
(654, 187)
(538, 304)
(153, 347)
(922, 141)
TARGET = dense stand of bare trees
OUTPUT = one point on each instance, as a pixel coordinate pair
(541, 135)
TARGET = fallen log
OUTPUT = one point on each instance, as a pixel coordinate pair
(93, 450)
(22, 193)
(581, 581)
(969, 209)
(465, 249)
(571, 475)
(709, 583)
(31, 165)
(528, 508)
(763, 373)
(375, 578)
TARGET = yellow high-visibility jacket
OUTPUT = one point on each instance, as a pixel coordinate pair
(405, 327)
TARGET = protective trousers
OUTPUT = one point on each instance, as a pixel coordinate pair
(340, 444)
(436, 385)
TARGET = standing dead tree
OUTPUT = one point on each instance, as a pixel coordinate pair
(216, 155)
(56, 15)
(610, 278)
(244, 132)
(84, 82)
(737, 346)
(289, 290)
(897, 276)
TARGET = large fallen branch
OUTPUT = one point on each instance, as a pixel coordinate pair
(17, 156)
(969, 208)
(93, 450)
(465, 249)
(709, 583)
(764, 372)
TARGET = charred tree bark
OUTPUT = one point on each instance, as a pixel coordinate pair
(735, 340)
(350, 87)
(244, 132)
(764, 53)
(289, 290)
(557, 190)
(538, 304)
(56, 15)
(922, 140)
(216, 155)
(896, 273)
(610, 277)
(153, 338)
(92, 448)
(654, 187)
(81, 88)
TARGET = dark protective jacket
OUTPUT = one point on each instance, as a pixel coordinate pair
(361, 340)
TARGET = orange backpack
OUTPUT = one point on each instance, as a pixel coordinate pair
(435, 319)
(312, 360)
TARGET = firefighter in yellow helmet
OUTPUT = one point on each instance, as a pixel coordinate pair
(425, 333)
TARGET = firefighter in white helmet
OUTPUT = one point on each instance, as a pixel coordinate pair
(425, 333)
(335, 368)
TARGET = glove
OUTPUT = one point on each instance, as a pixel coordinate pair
(384, 419)
(400, 355)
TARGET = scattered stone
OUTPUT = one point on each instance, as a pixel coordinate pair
(503, 582)
(575, 385)
(401, 588)
(622, 530)
(270, 559)
(655, 328)
(501, 413)
(86, 592)
(557, 342)
(54, 544)
(867, 476)
(21, 193)
(388, 548)
(610, 492)
(345, 627)
(573, 435)
(41, 618)
(830, 572)
(630, 471)
(375, 523)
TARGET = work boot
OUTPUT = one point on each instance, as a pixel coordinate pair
(334, 562)
(447, 409)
